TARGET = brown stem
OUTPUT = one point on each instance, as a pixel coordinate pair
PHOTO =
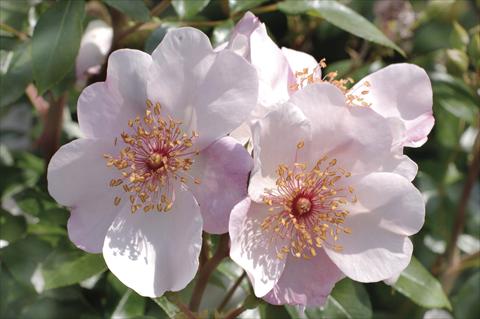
(189, 314)
(473, 172)
(231, 291)
(207, 270)
(19, 34)
(235, 313)
(49, 141)
(205, 252)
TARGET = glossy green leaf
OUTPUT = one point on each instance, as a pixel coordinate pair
(189, 8)
(169, 307)
(465, 302)
(56, 41)
(459, 37)
(135, 9)
(221, 32)
(348, 300)
(11, 227)
(131, 305)
(421, 287)
(340, 16)
(67, 268)
(19, 74)
(243, 5)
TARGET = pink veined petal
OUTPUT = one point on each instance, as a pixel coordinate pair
(155, 252)
(275, 140)
(402, 91)
(388, 210)
(251, 247)
(79, 178)
(211, 93)
(223, 170)
(359, 139)
(305, 282)
(104, 108)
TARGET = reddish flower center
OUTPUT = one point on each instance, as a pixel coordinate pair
(302, 206)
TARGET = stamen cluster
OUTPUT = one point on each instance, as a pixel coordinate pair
(308, 207)
(156, 154)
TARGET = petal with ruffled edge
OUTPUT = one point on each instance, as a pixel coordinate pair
(305, 282)
(402, 91)
(359, 139)
(252, 248)
(275, 140)
(389, 209)
(104, 108)
(79, 178)
(155, 252)
(211, 93)
(222, 169)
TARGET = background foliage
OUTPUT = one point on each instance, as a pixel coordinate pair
(42, 275)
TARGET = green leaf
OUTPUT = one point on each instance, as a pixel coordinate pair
(221, 32)
(169, 307)
(348, 299)
(465, 302)
(135, 9)
(459, 37)
(340, 16)
(421, 287)
(131, 305)
(56, 41)
(243, 5)
(67, 268)
(11, 227)
(19, 74)
(189, 8)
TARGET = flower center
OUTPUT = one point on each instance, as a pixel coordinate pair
(156, 154)
(308, 207)
(302, 206)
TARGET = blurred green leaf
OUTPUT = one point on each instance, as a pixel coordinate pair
(14, 256)
(459, 37)
(457, 62)
(189, 8)
(340, 16)
(474, 50)
(421, 287)
(135, 9)
(65, 268)
(14, 14)
(19, 74)
(11, 227)
(221, 32)
(465, 302)
(131, 305)
(169, 307)
(34, 202)
(348, 299)
(56, 41)
(243, 5)
(268, 311)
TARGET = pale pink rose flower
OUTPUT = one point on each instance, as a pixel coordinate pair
(325, 200)
(401, 93)
(94, 47)
(155, 166)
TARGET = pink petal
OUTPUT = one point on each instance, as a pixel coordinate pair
(275, 140)
(95, 44)
(223, 170)
(359, 139)
(305, 282)
(79, 178)
(104, 108)
(298, 61)
(211, 93)
(389, 208)
(402, 91)
(251, 247)
(155, 252)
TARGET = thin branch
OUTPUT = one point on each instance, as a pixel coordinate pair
(207, 270)
(473, 173)
(231, 291)
(235, 313)
(19, 34)
(189, 314)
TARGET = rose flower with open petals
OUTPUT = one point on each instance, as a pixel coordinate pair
(400, 93)
(328, 201)
(155, 167)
